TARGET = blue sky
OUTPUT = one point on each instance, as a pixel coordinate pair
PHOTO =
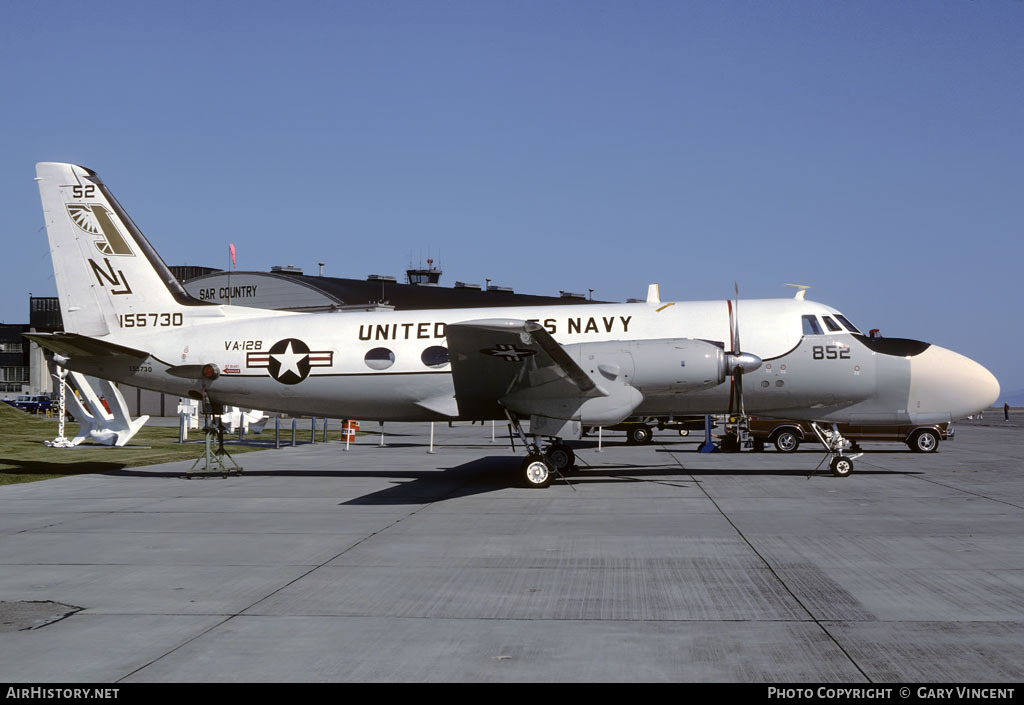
(873, 149)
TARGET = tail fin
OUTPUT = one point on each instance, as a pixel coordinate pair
(106, 270)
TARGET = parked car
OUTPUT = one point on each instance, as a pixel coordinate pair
(787, 435)
(33, 403)
(641, 430)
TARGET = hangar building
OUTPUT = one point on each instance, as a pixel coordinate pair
(288, 288)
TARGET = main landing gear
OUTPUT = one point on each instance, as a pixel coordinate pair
(841, 465)
(539, 467)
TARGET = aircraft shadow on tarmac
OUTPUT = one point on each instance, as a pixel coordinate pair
(485, 475)
(42, 467)
(502, 472)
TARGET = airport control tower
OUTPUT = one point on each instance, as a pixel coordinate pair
(424, 276)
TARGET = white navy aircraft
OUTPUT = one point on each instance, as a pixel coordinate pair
(127, 319)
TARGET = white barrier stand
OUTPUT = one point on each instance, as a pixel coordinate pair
(190, 408)
(235, 420)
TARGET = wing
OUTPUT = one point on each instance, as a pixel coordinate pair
(512, 363)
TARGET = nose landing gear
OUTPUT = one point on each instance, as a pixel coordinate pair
(835, 444)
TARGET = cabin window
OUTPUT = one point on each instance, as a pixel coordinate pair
(849, 326)
(379, 359)
(435, 356)
(811, 326)
(833, 327)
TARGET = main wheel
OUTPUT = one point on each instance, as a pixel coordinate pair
(684, 432)
(562, 457)
(787, 441)
(639, 434)
(841, 466)
(536, 471)
(924, 441)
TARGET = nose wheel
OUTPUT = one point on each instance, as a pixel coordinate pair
(840, 464)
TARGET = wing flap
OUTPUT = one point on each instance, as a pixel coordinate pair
(499, 359)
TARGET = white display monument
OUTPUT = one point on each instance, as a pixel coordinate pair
(108, 424)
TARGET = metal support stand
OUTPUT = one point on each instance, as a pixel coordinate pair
(431, 437)
(708, 445)
(381, 433)
(277, 431)
(295, 429)
(599, 439)
(213, 457)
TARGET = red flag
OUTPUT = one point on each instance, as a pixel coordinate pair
(231, 248)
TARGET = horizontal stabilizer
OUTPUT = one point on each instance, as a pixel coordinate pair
(72, 345)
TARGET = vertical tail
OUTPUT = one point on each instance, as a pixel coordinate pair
(108, 275)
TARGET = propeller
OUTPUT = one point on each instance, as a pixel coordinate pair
(739, 363)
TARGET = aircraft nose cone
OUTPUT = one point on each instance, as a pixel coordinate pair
(944, 381)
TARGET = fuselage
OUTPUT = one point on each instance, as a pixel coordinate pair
(393, 365)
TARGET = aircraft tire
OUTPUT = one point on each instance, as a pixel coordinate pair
(684, 432)
(537, 471)
(925, 441)
(639, 434)
(841, 466)
(562, 457)
(786, 441)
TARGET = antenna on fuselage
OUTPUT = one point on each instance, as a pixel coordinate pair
(799, 296)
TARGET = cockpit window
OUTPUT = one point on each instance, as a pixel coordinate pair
(832, 325)
(849, 326)
(811, 326)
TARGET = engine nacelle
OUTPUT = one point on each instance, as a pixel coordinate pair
(654, 366)
(627, 371)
